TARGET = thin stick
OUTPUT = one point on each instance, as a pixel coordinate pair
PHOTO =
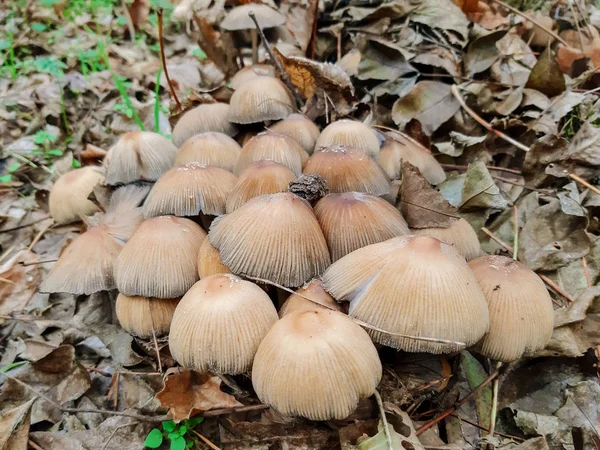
(29, 162)
(507, 247)
(206, 440)
(516, 232)
(494, 411)
(499, 169)
(39, 235)
(577, 26)
(237, 409)
(403, 136)
(24, 226)
(163, 60)
(386, 426)
(476, 425)
(586, 271)
(154, 340)
(284, 76)
(129, 21)
(34, 445)
(116, 391)
(24, 264)
(483, 123)
(583, 182)
(115, 432)
(254, 46)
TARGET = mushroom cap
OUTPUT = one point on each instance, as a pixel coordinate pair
(259, 178)
(68, 200)
(219, 324)
(275, 237)
(521, 312)
(209, 260)
(301, 129)
(203, 118)
(250, 72)
(348, 169)
(139, 155)
(238, 18)
(350, 132)
(460, 235)
(190, 189)
(275, 147)
(260, 99)
(139, 315)
(161, 258)
(123, 213)
(353, 220)
(411, 285)
(313, 290)
(393, 152)
(316, 364)
(211, 148)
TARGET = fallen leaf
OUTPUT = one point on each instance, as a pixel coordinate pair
(546, 75)
(300, 16)
(570, 202)
(566, 56)
(14, 427)
(19, 282)
(585, 145)
(138, 11)
(382, 60)
(443, 15)
(538, 443)
(482, 52)
(480, 191)
(405, 439)
(476, 375)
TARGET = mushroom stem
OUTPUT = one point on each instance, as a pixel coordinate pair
(254, 35)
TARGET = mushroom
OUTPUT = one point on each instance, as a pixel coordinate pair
(316, 364)
(460, 235)
(353, 220)
(239, 19)
(219, 324)
(139, 156)
(210, 147)
(140, 316)
(301, 129)
(189, 190)
(352, 133)
(68, 200)
(313, 290)
(203, 118)
(521, 312)
(274, 237)
(260, 99)
(273, 146)
(209, 260)
(415, 286)
(249, 73)
(347, 169)
(161, 258)
(259, 178)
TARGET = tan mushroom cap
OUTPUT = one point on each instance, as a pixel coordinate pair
(68, 200)
(350, 132)
(301, 129)
(411, 285)
(347, 169)
(521, 312)
(460, 235)
(203, 118)
(238, 18)
(316, 364)
(250, 72)
(260, 99)
(275, 147)
(393, 152)
(140, 315)
(209, 260)
(219, 324)
(274, 237)
(353, 220)
(314, 291)
(161, 258)
(139, 155)
(190, 189)
(259, 178)
(211, 148)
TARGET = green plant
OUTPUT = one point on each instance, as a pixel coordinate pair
(45, 140)
(7, 178)
(176, 434)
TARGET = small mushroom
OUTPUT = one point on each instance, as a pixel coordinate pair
(219, 324)
(211, 148)
(249, 73)
(313, 290)
(140, 315)
(260, 99)
(460, 235)
(209, 260)
(316, 364)
(352, 133)
(203, 118)
(259, 178)
(301, 129)
(68, 200)
(521, 312)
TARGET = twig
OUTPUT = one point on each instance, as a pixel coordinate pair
(154, 339)
(35, 263)
(515, 232)
(30, 162)
(403, 136)
(586, 271)
(163, 59)
(129, 21)
(583, 182)
(499, 169)
(206, 440)
(494, 411)
(476, 425)
(386, 426)
(115, 432)
(6, 230)
(284, 76)
(237, 409)
(116, 392)
(39, 235)
(34, 445)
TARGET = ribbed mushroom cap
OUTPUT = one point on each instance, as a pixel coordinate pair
(190, 189)
(353, 220)
(209, 260)
(138, 315)
(348, 169)
(260, 99)
(275, 237)
(219, 324)
(460, 235)
(139, 155)
(161, 258)
(392, 154)
(313, 290)
(211, 148)
(301, 129)
(411, 285)
(238, 18)
(521, 313)
(350, 132)
(68, 199)
(316, 364)
(259, 178)
(250, 72)
(203, 118)
(275, 147)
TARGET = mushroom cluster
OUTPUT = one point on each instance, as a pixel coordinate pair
(204, 237)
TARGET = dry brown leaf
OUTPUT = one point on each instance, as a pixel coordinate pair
(566, 56)
(14, 427)
(187, 393)
(18, 283)
(138, 11)
(546, 75)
